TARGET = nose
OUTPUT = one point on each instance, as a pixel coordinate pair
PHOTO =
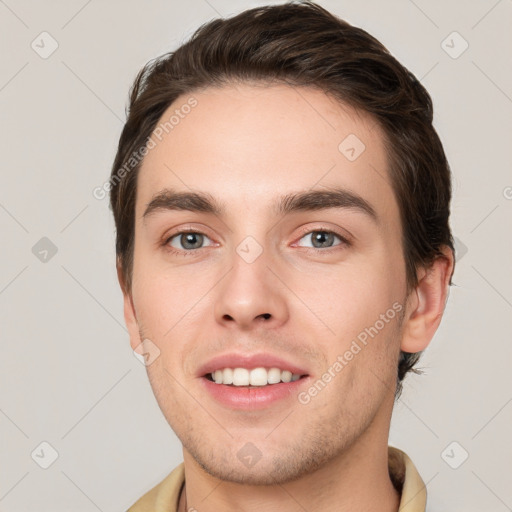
(251, 295)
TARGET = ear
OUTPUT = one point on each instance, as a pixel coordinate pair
(130, 316)
(426, 303)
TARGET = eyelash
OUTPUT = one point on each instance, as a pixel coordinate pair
(184, 252)
(321, 229)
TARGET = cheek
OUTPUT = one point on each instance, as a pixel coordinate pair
(171, 313)
(350, 301)
(164, 297)
(360, 305)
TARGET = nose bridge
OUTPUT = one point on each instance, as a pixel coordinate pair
(250, 262)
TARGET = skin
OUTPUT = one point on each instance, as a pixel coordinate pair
(246, 145)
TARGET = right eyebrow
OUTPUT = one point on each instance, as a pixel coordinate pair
(168, 199)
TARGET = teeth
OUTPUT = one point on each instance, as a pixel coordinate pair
(258, 377)
(227, 376)
(286, 376)
(274, 376)
(254, 377)
(240, 377)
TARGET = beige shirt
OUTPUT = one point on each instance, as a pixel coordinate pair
(164, 497)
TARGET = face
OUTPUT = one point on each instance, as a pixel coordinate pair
(252, 275)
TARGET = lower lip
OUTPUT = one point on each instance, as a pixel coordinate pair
(255, 397)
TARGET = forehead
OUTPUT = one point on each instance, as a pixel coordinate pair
(247, 144)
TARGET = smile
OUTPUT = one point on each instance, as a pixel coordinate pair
(252, 377)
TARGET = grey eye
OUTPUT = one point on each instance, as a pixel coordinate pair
(321, 239)
(187, 241)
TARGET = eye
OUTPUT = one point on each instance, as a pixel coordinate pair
(324, 239)
(186, 241)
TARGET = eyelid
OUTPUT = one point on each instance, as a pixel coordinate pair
(183, 230)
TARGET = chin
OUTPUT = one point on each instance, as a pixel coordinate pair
(280, 469)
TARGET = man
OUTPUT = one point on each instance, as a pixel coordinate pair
(281, 202)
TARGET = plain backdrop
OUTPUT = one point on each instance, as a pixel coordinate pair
(68, 378)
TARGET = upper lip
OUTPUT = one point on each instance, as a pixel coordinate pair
(249, 361)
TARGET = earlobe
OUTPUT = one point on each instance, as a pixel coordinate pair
(427, 302)
(130, 319)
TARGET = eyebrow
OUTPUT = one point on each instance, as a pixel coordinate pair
(311, 200)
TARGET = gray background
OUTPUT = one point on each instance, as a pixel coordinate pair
(67, 374)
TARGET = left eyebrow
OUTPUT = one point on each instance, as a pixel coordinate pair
(311, 200)
(332, 197)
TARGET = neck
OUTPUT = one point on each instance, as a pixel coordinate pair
(356, 480)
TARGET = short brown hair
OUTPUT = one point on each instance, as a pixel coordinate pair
(301, 44)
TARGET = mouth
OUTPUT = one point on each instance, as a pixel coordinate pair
(242, 381)
(253, 389)
(252, 377)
